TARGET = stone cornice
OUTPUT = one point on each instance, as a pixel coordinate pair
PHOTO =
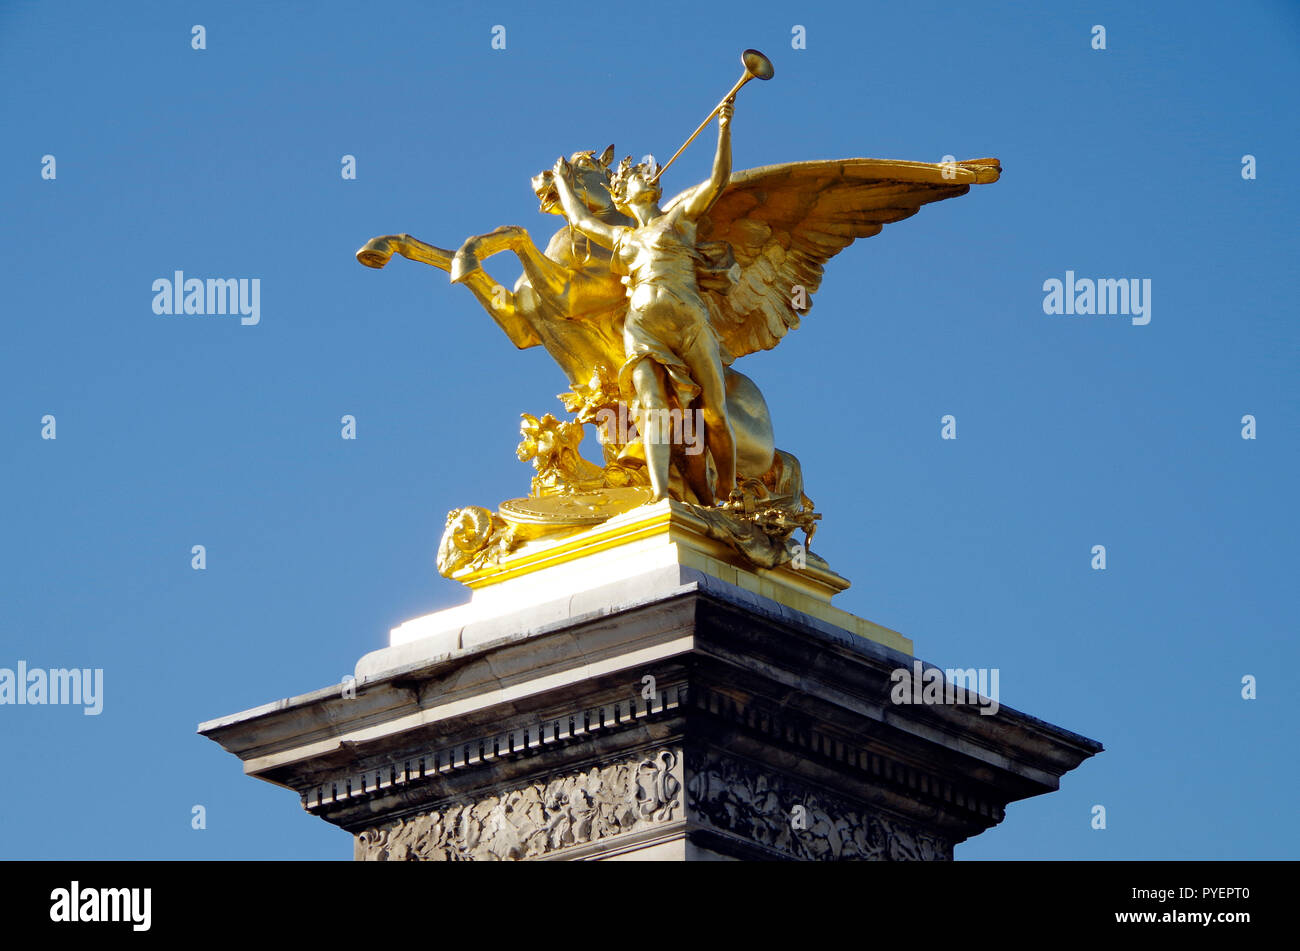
(731, 670)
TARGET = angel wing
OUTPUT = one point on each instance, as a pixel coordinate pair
(784, 222)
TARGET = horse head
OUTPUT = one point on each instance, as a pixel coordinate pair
(591, 175)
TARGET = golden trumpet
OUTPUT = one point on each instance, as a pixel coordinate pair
(757, 66)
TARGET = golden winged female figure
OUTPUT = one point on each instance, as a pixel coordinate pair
(672, 355)
(673, 293)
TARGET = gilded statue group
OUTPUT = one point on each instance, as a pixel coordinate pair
(645, 306)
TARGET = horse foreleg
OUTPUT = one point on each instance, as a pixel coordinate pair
(548, 278)
(501, 304)
(505, 306)
(378, 251)
(468, 260)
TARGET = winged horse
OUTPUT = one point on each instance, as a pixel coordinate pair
(783, 223)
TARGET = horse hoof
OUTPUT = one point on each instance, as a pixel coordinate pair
(463, 265)
(375, 253)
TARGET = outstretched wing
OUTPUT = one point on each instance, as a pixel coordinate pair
(784, 222)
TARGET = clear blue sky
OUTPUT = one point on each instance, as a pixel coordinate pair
(1072, 431)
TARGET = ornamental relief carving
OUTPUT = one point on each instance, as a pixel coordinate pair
(810, 825)
(539, 818)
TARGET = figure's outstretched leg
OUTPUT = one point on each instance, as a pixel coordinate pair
(652, 396)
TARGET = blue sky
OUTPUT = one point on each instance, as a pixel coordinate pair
(1072, 431)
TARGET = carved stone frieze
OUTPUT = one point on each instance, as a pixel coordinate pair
(740, 799)
(542, 817)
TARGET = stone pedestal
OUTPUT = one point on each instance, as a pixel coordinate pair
(636, 692)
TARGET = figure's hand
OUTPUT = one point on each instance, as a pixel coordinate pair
(562, 178)
(726, 112)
